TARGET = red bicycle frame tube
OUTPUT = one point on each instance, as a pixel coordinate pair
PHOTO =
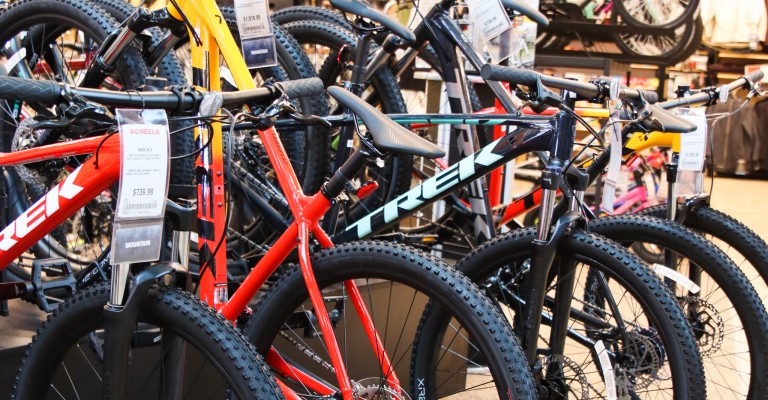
(307, 212)
(79, 188)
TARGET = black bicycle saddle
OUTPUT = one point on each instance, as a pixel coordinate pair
(365, 10)
(665, 121)
(388, 136)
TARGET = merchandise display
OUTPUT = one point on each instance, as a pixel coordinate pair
(360, 199)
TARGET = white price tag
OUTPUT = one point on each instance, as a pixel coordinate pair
(693, 146)
(607, 368)
(252, 18)
(144, 152)
(690, 183)
(614, 165)
(489, 17)
(144, 167)
(256, 37)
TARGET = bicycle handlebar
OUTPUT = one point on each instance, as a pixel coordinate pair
(531, 78)
(745, 81)
(181, 101)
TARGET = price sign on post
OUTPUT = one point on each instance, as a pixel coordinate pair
(489, 18)
(614, 164)
(693, 148)
(256, 37)
(144, 155)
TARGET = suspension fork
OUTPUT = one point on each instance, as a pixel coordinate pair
(566, 275)
(546, 243)
(120, 317)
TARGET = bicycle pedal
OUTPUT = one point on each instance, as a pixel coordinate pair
(46, 293)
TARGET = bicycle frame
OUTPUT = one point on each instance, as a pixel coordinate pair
(80, 187)
(214, 35)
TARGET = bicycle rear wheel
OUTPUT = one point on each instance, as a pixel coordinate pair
(655, 13)
(178, 344)
(395, 283)
(677, 46)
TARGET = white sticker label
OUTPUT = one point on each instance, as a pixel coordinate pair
(489, 18)
(18, 56)
(614, 164)
(693, 146)
(607, 368)
(679, 278)
(256, 37)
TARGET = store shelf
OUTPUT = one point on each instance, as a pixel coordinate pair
(749, 58)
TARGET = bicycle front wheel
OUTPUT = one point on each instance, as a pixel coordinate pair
(180, 349)
(725, 311)
(624, 326)
(395, 283)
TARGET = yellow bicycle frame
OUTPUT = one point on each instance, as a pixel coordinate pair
(640, 141)
(215, 37)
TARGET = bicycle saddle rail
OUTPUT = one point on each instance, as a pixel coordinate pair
(387, 135)
(365, 10)
(523, 8)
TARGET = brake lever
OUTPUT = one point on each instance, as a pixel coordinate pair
(309, 119)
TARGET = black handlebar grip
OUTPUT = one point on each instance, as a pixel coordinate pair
(650, 96)
(306, 87)
(515, 76)
(29, 90)
(755, 76)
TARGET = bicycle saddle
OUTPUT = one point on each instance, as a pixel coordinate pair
(388, 136)
(365, 10)
(525, 9)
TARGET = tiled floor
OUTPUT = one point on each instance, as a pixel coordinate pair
(744, 199)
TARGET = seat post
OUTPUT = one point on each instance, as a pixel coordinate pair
(357, 80)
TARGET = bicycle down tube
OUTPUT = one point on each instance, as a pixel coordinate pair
(533, 133)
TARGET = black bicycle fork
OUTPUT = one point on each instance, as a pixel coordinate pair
(122, 311)
(543, 266)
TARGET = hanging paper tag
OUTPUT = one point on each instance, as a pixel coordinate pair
(679, 278)
(144, 153)
(650, 188)
(614, 164)
(489, 18)
(693, 146)
(607, 369)
(661, 195)
(690, 183)
(256, 37)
